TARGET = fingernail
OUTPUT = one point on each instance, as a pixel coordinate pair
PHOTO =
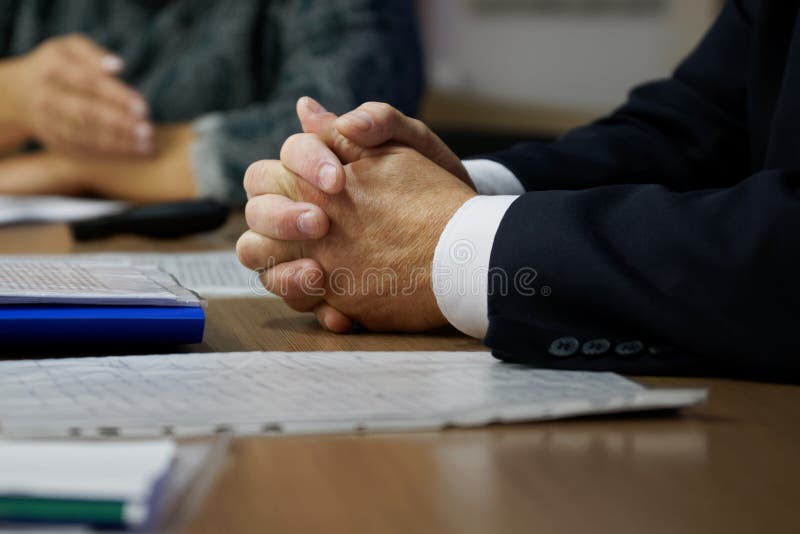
(139, 108)
(359, 119)
(313, 106)
(307, 223)
(143, 131)
(327, 177)
(112, 63)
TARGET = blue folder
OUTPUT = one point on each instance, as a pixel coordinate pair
(109, 325)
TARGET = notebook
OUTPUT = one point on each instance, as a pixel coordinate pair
(146, 485)
(50, 301)
(99, 483)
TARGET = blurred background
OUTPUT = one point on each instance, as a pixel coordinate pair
(499, 71)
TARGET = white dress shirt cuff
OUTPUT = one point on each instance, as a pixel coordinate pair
(461, 263)
(492, 178)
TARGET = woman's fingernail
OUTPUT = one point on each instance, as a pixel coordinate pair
(307, 223)
(112, 63)
(359, 119)
(313, 106)
(139, 108)
(327, 177)
(143, 131)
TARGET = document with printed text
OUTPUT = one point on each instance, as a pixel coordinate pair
(211, 274)
(301, 392)
(56, 282)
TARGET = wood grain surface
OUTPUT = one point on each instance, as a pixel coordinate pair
(728, 466)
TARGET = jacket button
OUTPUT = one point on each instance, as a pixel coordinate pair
(629, 348)
(564, 346)
(661, 350)
(596, 347)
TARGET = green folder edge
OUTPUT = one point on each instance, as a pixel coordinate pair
(38, 510)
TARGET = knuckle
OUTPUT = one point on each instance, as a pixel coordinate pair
(289, 145)
(50, 72)
(418, 126)
(75, 38)
(343, 145)
(247, 252)
(252, 213)
(286, 224)
(382, 110)
(51, 46)
(252, 176)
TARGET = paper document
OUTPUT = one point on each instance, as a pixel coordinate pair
(23, 209)
(211, 274)
(25, 281)
(299, 392)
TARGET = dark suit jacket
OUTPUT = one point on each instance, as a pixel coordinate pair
(665, 238)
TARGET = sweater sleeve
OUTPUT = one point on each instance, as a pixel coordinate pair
(340, 53)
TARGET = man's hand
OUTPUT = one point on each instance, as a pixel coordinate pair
(371, 257)
(346, 138)
(65, 94)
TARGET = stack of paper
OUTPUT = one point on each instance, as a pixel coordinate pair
(61, 282)
(110, 484)
(211, 274)
(24, 209)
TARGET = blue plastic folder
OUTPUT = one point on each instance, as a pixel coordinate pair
(68, 324)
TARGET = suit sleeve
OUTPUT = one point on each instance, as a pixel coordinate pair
(695, 273)
(687, 132)
(646, 280)
(341, 53)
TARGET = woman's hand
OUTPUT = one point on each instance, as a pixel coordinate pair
(167, 176)
(65, 94)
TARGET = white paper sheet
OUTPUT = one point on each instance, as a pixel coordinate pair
(211, 274)
(316, 392)
(118, 471)
(19, 209)
(28, 281)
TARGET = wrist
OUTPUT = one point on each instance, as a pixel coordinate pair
(436, 316)
(13, 86)
(65, 170)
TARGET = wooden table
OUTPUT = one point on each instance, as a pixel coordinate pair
(732, 465)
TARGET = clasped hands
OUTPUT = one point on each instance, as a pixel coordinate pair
(346, 223)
